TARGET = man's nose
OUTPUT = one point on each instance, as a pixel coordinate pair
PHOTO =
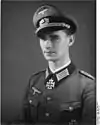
(48, 44)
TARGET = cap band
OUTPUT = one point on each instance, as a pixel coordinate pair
(52, 25)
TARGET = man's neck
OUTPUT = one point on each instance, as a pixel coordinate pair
(57, 65)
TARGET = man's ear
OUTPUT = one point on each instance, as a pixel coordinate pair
(71, 40)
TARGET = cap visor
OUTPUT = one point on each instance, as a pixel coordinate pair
(48, 30)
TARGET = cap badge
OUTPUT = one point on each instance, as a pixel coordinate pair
(42, 12)
(44, 21)
(50, 84)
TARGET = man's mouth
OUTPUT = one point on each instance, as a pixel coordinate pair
(49, 52)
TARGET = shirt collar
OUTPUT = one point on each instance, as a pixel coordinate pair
(54, 71)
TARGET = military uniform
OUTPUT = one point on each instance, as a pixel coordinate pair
(66, 97)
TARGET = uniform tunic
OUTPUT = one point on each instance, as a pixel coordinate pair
(66, 97)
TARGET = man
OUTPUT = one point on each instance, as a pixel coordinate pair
(61, 94)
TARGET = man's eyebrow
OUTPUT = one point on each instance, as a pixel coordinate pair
(53, 35)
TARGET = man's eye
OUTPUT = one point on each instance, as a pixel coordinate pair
(54, 38)
(43, 37)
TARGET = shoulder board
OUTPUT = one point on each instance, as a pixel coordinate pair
(86, 74)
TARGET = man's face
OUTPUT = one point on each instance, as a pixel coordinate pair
(55, 45)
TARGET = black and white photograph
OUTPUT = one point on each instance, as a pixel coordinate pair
(48, 62)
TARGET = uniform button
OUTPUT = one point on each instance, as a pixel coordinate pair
(47, 114)
(30, 101)
(48, 98)
(70, 108)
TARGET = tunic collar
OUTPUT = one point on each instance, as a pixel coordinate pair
(62, 73)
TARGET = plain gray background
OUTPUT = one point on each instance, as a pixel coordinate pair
(20, 52)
